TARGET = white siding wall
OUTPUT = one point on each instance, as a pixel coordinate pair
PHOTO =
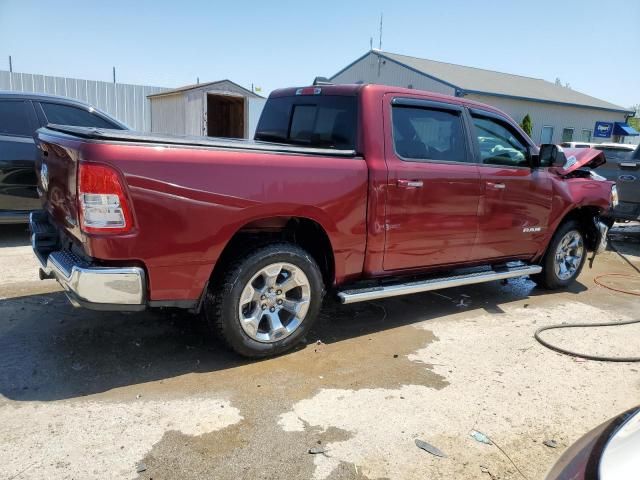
(168, 115)
(367, 70)
(556, 116)
(127, 103)
(195, 108)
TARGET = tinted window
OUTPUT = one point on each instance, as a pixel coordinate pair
(427, 134)
(498, 144)
(14, 118)
(322, 121)
(77, 117)
(616, 154)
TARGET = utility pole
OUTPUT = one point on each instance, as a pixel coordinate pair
(10, 64)
(380, 42)
(197, 80)
(114, 74)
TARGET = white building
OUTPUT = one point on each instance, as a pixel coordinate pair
(558, 113)
(214, 109)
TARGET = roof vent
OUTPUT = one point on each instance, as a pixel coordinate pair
(322, 81)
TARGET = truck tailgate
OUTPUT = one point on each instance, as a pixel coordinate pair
(57, 170)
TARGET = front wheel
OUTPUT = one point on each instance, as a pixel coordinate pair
(564, 258)
(267, 301)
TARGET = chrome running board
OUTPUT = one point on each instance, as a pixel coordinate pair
(406, 288)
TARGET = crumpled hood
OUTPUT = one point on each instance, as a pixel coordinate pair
(580, 158)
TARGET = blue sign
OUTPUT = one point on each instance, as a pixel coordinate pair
(603, 129)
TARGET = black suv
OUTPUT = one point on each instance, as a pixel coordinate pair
(21, 114)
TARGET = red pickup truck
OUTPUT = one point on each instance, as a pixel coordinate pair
(368, 191)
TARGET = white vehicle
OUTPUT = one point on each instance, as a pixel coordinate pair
(577, 144)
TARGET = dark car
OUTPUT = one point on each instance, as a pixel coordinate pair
(21, 114)
(623, 167)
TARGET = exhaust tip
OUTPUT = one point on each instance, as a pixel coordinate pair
(44, 275)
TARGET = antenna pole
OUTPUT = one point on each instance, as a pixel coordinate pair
(380, 40)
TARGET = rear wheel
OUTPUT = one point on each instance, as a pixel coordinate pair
(267, 301)
(564, 258)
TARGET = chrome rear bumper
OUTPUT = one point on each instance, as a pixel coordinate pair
(85, 284)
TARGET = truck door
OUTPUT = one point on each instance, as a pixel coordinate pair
(516, 201)
(433, 185)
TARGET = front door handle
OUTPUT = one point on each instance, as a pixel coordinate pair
(409, 183)
(496, 186)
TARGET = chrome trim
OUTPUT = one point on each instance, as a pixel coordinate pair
(365, 294)
(122, 286)
(86, 284)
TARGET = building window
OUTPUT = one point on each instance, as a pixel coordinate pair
(546, 134)
(567, 134)
(586, 135)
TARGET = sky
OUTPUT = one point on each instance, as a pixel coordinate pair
(592, 45)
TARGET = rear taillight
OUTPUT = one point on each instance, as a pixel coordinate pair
(102, 202)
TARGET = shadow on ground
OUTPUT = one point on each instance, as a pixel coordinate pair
(14, 235)
(51, 351)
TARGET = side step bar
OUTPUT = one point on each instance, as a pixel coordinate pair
(393, 290)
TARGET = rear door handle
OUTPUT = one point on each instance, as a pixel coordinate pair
(409, 183)
(496, 186)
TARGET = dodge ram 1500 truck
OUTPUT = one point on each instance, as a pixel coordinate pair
(367, 191)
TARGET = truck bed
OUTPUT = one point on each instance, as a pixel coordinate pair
(103, 134)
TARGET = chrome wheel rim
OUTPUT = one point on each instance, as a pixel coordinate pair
(569, 255)
(274, 303)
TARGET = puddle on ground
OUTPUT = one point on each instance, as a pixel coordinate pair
(258, 447)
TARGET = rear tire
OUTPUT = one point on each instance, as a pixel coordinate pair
(267, 301)
(564, 258)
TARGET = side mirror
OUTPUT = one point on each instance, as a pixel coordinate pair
(551, 156)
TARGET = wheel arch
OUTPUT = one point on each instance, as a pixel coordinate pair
(307, 233)
(584, 216)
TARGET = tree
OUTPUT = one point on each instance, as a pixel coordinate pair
(527, 124)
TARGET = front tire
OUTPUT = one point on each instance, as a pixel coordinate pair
(564, 258)
(267, 301)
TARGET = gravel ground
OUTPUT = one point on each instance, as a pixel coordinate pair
(109, 395)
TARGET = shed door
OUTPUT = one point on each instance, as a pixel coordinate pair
(255, 110)
(225, 116)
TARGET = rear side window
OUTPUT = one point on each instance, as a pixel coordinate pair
(321, 121)
(14, 118)
(77, 117)
(428, 134)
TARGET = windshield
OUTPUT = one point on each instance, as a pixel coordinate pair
(322, 121)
